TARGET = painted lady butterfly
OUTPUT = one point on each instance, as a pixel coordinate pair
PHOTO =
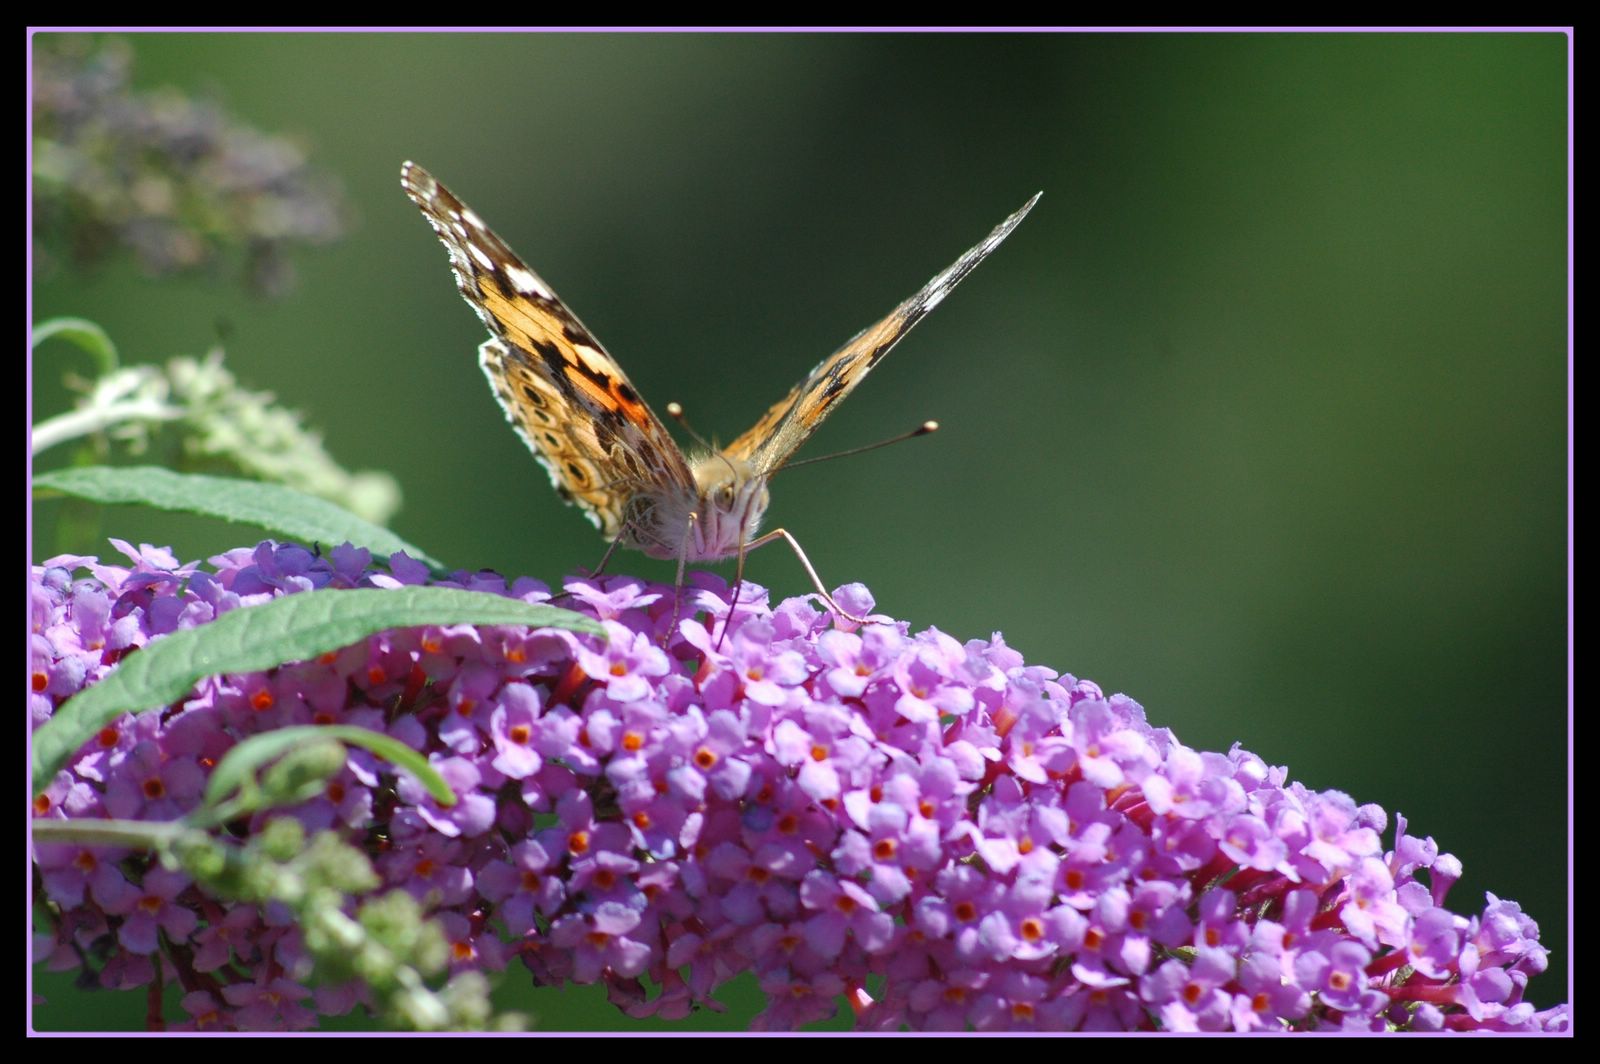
(604, 449)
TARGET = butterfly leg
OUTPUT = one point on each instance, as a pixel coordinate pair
(677, 582)
(594, 574)
(611, 549)
(733, 601)
(816, 581)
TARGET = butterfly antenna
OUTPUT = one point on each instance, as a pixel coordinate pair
(675, 412)
(925, 429)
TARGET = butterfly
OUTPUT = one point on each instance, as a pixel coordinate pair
(605, 450)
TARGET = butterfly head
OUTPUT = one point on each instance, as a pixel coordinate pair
(710, 522)
(733, 499)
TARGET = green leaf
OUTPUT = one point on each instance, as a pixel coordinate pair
(238, 767)
(86, 334)
(255, 638)
(270, 506)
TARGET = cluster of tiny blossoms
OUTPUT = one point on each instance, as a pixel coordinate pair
(936, 832)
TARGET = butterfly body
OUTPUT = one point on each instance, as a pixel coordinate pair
(729, 502)
(605, 450)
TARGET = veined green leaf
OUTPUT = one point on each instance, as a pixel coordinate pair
(291, 628)
(271, 506)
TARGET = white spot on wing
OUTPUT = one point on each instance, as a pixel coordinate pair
(527, 282)
(483, 259)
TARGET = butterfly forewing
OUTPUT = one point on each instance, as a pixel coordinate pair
(782, 429)
(566, 397)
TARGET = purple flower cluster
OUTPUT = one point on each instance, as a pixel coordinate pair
(941, 834)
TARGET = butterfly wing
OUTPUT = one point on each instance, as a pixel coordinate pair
(791, 421)
(568, 399)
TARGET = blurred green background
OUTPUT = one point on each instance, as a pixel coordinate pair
(1260, 417)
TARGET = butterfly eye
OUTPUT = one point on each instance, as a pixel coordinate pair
(725, 495)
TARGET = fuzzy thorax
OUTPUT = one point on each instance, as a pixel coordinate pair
(730, 499)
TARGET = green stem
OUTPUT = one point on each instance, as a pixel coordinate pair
(137, 834)
(76, 423)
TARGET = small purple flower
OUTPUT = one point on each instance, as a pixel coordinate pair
(1109, 754)
(1434, 947)
(858, 659)
(147, 784)
(71, 872)
(227, 939)
(842, 908)
(1371, 912)
(471, 816)
(1335, 974)
(626, 663)
(612, 598)
(601, 941)
(526, 885)
(923, 678)
(270, 1005)
(1191, 996)
(514, 730)
(433, 868)
(469, 948)
(1267, 997)
(206, 1013)
(149, 908)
